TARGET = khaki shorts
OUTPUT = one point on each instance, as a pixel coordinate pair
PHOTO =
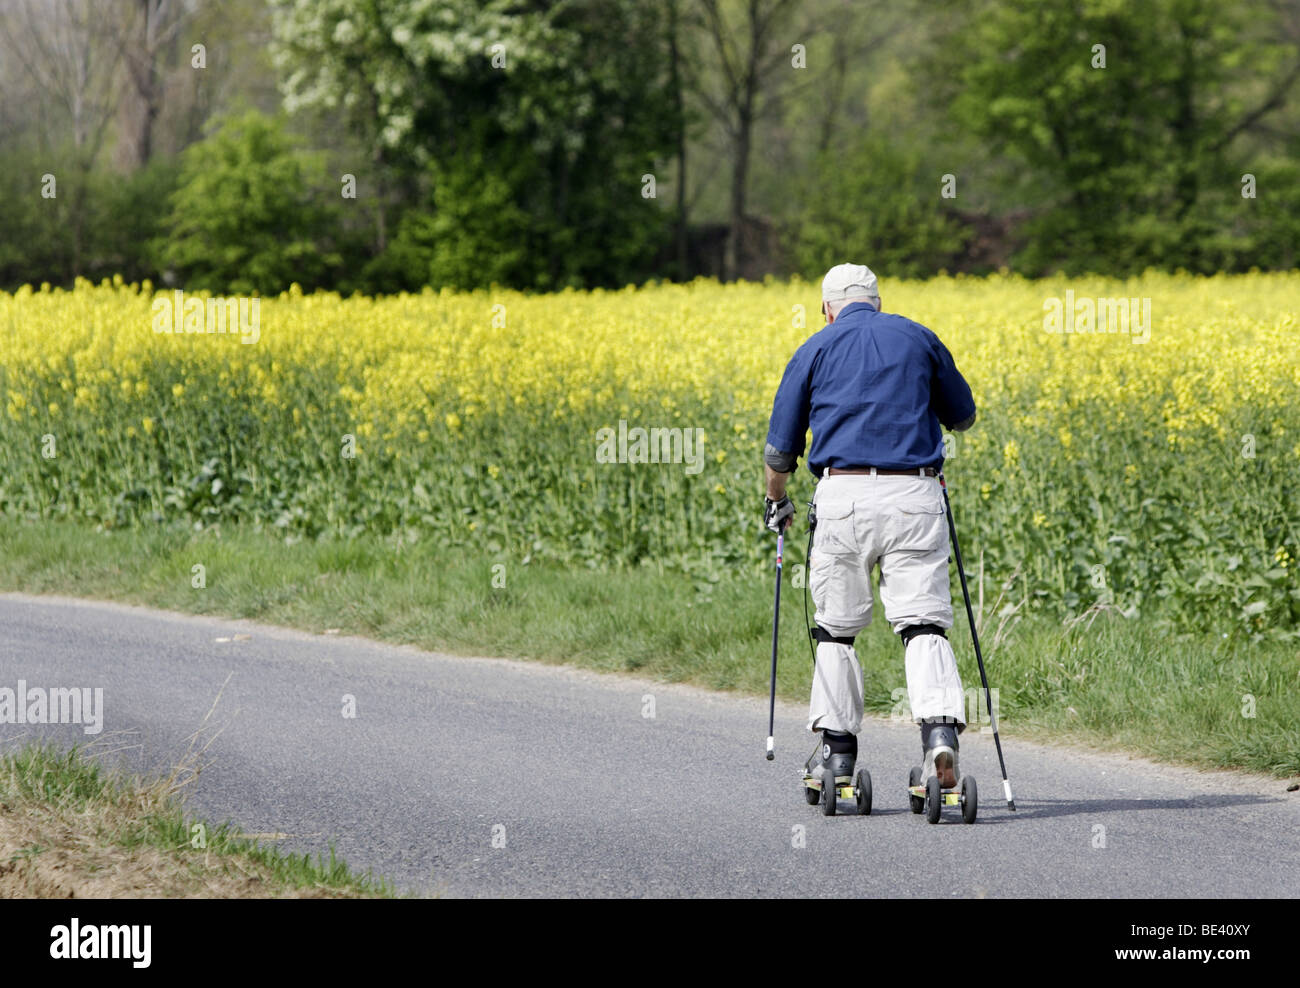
(895, 523)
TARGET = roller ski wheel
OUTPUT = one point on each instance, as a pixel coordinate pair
(916, 802)
(933, 799)
(939, 762)
(969, 799)
(829, 778)
(862, 791)
(837, 787)
(830, 792)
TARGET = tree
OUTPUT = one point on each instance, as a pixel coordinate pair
(72, 78)
(564, 103)
(248, 214)
(148, 29)
(1133, 150)
(674, 34)
(745, 58)
(876, 204)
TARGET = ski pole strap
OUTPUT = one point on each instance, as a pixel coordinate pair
(822, 635)
(912, 630)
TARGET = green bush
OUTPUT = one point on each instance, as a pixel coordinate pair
(249, 214)
(875, 204)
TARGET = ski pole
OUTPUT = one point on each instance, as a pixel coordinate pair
(970, 616)
(776, 620)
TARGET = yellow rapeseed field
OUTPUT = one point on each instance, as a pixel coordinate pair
(1153, 469)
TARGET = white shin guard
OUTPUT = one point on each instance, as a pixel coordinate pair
(933, 683)
(836, 702)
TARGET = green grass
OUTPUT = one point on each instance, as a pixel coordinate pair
(103, 823)
(1111, 683)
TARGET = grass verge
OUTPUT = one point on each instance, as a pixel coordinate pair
(1106, 682)
(69, 829)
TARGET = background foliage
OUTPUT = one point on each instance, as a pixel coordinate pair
(1155, 479)
(507, 141)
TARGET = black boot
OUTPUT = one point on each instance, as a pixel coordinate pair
(838, 750)
(840, 753)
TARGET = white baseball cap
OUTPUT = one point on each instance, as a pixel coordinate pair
(849, 281)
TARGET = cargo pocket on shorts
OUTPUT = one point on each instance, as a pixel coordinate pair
(834, 555)
(921, 525)
(835, 535)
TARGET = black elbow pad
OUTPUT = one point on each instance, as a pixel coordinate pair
(779, 461)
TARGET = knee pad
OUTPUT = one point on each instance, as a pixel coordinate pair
(822, 635)
(912, 630)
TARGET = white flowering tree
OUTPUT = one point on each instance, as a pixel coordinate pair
(554, 110)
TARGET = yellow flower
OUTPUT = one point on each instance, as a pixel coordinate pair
(424, 368)
(147, 423)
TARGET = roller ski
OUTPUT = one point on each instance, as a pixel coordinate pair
(828, 775)
(937, 782)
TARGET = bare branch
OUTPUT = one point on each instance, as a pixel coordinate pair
(1272, 102)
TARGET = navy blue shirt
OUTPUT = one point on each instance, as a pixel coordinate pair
(875, 388)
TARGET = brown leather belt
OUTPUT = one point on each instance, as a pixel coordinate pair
(918, 472)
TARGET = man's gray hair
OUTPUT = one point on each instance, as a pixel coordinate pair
(836, 306)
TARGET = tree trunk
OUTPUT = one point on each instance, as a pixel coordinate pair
(739, 181)
(679, 232)
(140, 43)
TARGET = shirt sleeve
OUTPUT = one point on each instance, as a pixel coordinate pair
(789, 425)
(950, 395)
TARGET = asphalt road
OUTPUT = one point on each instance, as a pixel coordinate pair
(487, 777)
